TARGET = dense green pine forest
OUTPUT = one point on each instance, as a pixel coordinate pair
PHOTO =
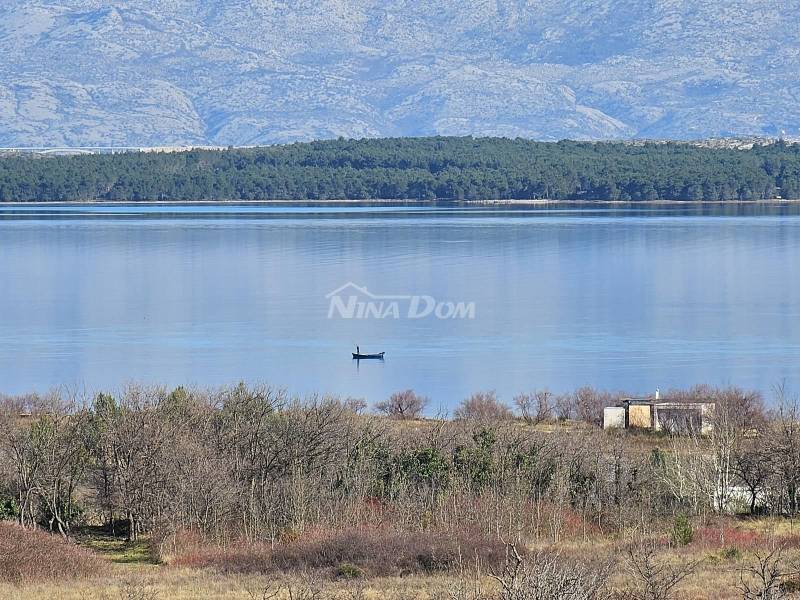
(414, 168)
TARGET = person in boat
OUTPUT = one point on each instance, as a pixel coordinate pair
(357, 350)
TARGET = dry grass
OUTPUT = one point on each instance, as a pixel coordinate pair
(714, 581)
(164, 583)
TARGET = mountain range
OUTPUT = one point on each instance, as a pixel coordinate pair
(252, 72)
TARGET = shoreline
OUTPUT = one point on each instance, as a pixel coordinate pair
(384, 201)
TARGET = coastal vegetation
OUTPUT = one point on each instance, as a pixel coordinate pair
(462, 168)
(249, 492)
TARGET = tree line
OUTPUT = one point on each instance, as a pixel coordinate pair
(450, 168)
(250, 462)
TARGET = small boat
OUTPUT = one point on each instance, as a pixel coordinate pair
(378, 356)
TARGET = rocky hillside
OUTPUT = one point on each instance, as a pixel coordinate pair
(242, 72)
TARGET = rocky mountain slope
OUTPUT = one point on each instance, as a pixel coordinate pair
(156, 72)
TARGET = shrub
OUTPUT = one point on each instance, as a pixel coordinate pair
(682, 531)
(426, 466)
(248, 558)
(652, 574)
(165, 545)
(8, 507)
(476, 462)
(790, 586)
(348, 571)
(767, 576)
(483, 406)
(403, 405)
(31, 556)
(720, 538)
(383, 552)
(548, 576)
(731, 553)
(353, 553)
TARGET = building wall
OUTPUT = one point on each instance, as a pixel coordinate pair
(639, 416)
(613, 417)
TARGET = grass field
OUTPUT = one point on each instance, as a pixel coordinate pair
(129, 571)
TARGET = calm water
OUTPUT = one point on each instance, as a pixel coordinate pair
(564, 296)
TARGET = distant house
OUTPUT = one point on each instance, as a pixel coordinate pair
(659, 414)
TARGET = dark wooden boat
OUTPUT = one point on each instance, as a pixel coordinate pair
(378, 356)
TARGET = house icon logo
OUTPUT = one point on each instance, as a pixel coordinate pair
(353, 301)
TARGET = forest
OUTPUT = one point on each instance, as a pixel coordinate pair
(519, 501)
(436, 168)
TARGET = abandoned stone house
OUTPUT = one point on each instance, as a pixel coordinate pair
(659, 414)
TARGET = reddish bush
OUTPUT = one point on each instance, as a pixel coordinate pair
(166, 545)
(29, 556)
(716, 538)
(377, 552)
(239, 559)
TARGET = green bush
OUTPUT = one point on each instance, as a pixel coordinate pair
(682, 531)
(348, 571)
(790, 586)
(731, 553)
(8, 508)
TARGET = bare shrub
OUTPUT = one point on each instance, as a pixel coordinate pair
(183, 542)
(308, 588)
(547, 576)
(32, 556)
(764, 577)
(137, 589)
(381, 552)
(373, 551)
(468, 585)
(264, 593)
(655, 577)
(355, 589)
(483, 406)
(240, 558)
(403, 405)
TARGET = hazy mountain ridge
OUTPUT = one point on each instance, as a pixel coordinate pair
(154, 72)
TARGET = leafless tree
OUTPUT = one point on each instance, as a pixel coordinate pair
(536, 407)
(564, 406)
(753, 468)
(355, 405)
(403, 405)
(483, 406)
(782, 443)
